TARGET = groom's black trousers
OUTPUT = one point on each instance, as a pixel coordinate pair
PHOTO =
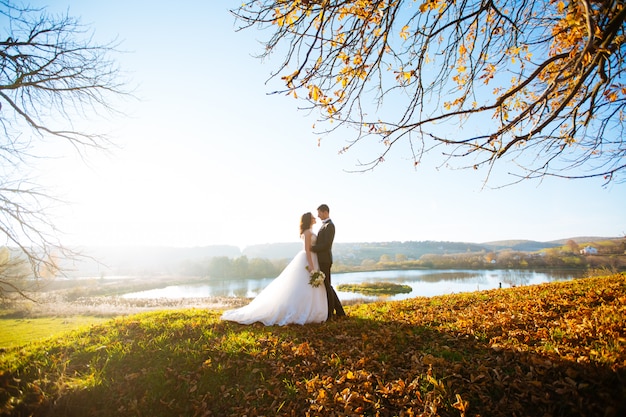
(334, 305)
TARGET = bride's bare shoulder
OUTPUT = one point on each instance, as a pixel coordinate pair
(308, 234)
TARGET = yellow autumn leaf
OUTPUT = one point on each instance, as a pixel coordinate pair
(314, 92)
(278, 17)
(404, 33)
(612, 96)
(289, 78)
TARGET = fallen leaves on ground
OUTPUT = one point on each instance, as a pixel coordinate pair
(548, 350)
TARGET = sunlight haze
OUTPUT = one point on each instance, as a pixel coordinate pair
(206, 156)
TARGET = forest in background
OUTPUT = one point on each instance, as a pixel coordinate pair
(261, 261)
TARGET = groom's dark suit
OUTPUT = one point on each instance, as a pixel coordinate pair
(323, 248)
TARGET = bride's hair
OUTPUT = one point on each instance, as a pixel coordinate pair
(305, 222)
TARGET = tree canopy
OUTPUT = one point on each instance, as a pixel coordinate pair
(534, 86)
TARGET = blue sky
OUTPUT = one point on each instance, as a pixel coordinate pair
(205, 156)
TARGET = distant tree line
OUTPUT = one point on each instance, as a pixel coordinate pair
(506, 259)
(610, 254)
(224, 267)
(268, 261)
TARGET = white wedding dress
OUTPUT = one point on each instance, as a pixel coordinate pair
(287, 299)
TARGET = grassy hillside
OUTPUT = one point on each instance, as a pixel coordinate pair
(557, 349)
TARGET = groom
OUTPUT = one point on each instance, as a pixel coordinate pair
(323, 248)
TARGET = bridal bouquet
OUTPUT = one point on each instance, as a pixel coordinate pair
(316, 278)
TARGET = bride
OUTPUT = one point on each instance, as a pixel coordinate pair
(289, 298)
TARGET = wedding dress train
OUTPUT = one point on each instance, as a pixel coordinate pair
(287, 299)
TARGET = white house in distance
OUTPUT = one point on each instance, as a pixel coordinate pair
(589, 250)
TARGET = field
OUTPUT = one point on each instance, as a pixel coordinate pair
(556, 349)
(19, 331)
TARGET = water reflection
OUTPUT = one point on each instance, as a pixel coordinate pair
(423, 283)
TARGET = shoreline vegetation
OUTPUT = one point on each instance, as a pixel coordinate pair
(242, 267)
(551, 349)
(376, 288)
(103, 297)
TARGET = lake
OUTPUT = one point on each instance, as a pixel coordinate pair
(425, 283)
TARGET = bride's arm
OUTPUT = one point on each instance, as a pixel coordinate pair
(307, 249)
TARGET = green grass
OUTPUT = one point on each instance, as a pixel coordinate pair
(15, 332)
(376, 288)
(553, 349)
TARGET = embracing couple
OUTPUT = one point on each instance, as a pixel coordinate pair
(291, 297)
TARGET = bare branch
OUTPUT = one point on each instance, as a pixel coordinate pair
(52, 74)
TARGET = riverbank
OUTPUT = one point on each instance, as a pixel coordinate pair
(102, 298)
(113, 296)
